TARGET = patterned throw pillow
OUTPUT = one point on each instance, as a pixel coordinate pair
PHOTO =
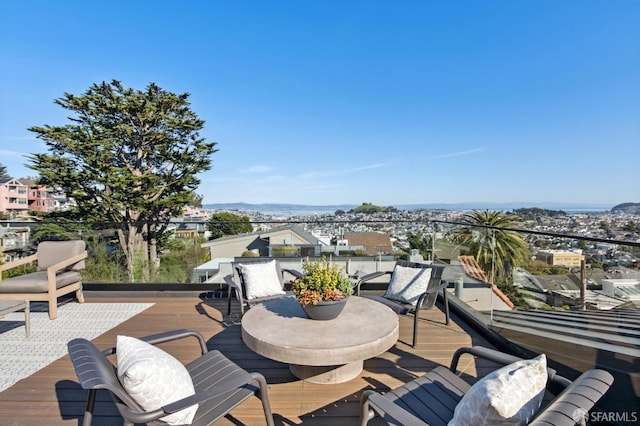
(261, 279)
(154, 378)
(509, 396)
(407, 284)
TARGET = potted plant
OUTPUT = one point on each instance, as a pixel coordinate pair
(322, 290)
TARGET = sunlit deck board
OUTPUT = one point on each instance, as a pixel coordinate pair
(52, 396)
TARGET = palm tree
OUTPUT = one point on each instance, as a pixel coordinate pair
(496, 250)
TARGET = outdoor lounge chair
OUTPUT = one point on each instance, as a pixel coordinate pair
(432, 398)
(59, 266)
(220, 385)
(255, 281)
(412, 287)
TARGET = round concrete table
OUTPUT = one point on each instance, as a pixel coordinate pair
(321, 352)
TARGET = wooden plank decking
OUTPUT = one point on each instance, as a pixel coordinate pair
(52, 396)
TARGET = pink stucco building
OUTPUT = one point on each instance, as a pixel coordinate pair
(14, 197)
(19, 196)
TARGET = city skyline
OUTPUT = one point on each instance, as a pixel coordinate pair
(333, 103)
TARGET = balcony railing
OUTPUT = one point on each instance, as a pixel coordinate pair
(583, 249)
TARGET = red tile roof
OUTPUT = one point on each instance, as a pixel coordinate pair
(473, 269)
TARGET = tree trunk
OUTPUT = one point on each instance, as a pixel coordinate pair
(140, 248)
(144, 249)
(127, 243)
(154, 260)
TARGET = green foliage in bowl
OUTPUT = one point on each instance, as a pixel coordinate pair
(321, 281)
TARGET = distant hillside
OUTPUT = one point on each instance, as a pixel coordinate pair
(631, 208)
(508, 206)
(306, 208)
(533, 212)
(369, 208)
(278, 207)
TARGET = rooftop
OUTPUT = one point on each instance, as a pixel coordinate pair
(52, 396)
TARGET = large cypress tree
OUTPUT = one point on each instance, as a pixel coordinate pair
(129, 157)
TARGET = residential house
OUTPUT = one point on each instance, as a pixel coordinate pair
(14, 197)
(569, 259)
(372, 243)
(14, 242)
(290, 239)
(40, 198)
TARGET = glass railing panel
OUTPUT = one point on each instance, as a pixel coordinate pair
(568, 265)
(599, 245)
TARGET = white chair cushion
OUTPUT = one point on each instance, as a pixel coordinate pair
(261, 279)
(407, 284)
(153, 378)
(510, 395)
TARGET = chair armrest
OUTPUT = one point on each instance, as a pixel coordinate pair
(429, 291)
(293, 272)
(482, 352)
(369, 277)
(167, 336)
(391, 413)
(228, 279)
(53, 269)
(555, 382)
(19, 262)
(442, 285)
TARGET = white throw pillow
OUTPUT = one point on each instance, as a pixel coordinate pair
(511, 395)
(261, 279)
(154, 378)
(407, 284)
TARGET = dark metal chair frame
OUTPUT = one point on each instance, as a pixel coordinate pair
(426, 301)
(431, 399)
(220, 384)
(236, 283)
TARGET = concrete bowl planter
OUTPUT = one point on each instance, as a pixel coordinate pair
(325, 310)
(322, 290)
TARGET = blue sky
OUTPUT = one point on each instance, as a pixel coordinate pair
(331, 102)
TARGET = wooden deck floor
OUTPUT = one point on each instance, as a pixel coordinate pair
(52, 396)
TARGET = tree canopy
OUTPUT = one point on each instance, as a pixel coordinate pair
(129, 157)
(496, 250)
(423, 243)
(369, 208)
(227, 223)
(3, 172)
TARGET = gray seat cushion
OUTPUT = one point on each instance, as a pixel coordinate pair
(396, 306)
(36, 282)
